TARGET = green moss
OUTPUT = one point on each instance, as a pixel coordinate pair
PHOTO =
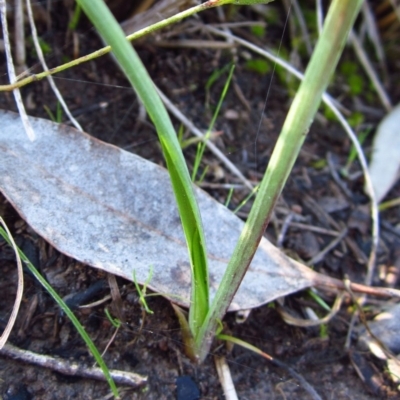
(323, 331)
(258, 30)
(259, 65)
(328, 113)
(356, 119)
(350, 71)
(319, 164)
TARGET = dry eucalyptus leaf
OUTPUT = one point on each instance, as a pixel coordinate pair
(385, 159)
(386, 327)
(116, 211)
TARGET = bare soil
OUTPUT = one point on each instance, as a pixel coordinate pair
(151, 345)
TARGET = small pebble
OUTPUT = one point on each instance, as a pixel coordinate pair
(186, 388)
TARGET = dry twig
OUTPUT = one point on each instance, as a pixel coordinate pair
(225, 378)
(72, 369)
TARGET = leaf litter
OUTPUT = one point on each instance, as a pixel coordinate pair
(385, 158)
(116, 211)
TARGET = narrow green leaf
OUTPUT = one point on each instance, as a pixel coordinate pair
(338, 23)
(135, 71)
(202, 146)
(70, 315)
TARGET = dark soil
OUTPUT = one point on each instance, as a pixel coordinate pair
(107, 108)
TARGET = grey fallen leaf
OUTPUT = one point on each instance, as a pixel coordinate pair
(393, 365)
(116, 211)
(386, 327)
(385, 159)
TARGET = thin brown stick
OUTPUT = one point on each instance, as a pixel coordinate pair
(323, 281)
(19, 37)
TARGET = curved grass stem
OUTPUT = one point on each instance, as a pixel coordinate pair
(105, 50)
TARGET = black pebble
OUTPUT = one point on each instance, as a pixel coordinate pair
(186, 389)
(19, 392)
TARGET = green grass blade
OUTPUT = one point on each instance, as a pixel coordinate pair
(246, 199)
(339, 21)
(229, 197)
(202, 146)
(142, 291)
(133, 68)
(76, 16)
(69, 313)
(115, 322)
